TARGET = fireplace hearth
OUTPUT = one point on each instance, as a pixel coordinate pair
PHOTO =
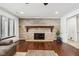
(39, 36)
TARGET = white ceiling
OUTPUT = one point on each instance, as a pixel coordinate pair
(39, 10)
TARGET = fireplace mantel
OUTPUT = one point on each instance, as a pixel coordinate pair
(50, 27)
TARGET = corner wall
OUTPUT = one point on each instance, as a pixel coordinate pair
(63, 24)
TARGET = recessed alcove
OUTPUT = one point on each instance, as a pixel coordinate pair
(39, 36)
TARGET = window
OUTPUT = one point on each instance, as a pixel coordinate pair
(7, 27)
(4, 27)
(0, 27)
(11, 27)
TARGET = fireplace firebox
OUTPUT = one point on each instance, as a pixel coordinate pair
(39, 36)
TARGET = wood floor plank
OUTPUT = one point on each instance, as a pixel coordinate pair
(61, 49)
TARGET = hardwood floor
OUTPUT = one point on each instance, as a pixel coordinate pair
(61, 49)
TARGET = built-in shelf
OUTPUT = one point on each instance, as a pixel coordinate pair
(50, 27)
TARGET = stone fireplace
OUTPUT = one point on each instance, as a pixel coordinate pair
(39, 36)
(31, 27)
(37, 33)
(42, 34)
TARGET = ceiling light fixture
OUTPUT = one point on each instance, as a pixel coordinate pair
(56, 12)
(26, 3)
(21, 12)
(45, 4)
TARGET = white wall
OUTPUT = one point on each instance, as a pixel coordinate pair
(78, 28)
(9, 15)
(63, 29)
(64, 23)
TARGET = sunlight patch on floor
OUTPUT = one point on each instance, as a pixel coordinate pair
(37, 53)
(20, 54)
(73, 43)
